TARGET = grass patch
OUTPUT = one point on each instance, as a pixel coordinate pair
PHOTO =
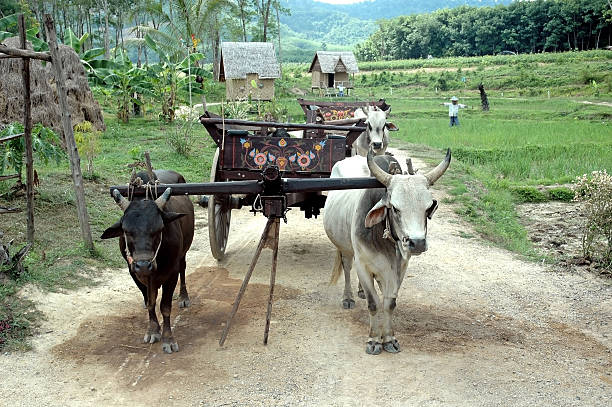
(58, 260)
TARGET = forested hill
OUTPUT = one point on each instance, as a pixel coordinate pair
(314, 25)
(521, 27)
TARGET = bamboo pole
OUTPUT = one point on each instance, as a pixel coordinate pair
(27, 133)
(73, 153)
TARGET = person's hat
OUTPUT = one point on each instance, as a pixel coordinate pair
(454, 99)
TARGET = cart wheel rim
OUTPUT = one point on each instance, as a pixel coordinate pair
(219, 216)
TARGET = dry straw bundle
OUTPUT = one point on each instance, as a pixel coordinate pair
(45, 107)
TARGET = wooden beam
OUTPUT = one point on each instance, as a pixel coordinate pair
(24, 53)
(9, 138)
(73, 153)
(27, 133)
(7, 177)
(4, 209)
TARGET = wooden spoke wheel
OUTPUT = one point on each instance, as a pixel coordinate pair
(219, 215)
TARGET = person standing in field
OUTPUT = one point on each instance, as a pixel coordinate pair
(453, 110)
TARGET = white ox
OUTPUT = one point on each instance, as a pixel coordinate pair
(376, 135)
(376, 231)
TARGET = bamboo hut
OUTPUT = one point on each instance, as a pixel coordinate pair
(249, 70)
(333, 69)
(44, 99)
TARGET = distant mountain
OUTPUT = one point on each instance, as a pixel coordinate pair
(316, 25)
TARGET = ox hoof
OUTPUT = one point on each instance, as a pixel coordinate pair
(392, 346)
(151, 337)
(361, 294)
(184, 302)
(373, 348)
(348, 303)
(170, 347)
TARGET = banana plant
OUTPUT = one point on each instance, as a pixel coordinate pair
(126, 80)
(8, 28)
(91, 58)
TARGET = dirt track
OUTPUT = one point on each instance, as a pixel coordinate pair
(477, 327)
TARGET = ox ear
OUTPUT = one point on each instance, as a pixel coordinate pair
(114, 231)
(391, 126)
(432, 209)
(169, 217)
(377, 214)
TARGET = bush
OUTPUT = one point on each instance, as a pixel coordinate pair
(528, 194)
(88, 142)
(594, 192)
(561, 194)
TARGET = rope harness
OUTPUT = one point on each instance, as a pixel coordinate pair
(150, 194)
(130, 258)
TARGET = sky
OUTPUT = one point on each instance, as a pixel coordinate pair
(340, 1)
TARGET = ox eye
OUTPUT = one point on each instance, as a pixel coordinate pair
(369, 127)
(396, 211)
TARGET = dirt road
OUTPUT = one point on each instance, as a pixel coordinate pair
(477, 326)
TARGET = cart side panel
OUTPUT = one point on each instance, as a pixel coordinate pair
(289, 154)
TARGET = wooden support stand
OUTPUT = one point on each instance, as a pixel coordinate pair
(269, 239)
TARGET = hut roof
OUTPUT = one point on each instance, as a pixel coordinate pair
(335, 61)
(241, 58)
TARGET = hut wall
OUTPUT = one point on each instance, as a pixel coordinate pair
(240, 89)
(316, 79)
(341, 77)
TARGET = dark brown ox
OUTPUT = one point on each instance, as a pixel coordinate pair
(154, 236)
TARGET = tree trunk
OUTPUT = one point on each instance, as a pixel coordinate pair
(106, 39)
(27, 132)
(280, 53)
(483, 98)
(73, 153)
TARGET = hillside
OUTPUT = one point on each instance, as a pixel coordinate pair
(314, 25)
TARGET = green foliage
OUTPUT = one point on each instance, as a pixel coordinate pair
(87, 139)
(9, 28)
(560, 194)
(45, 146)
(521, 27)
(236, 110)
(528, 194)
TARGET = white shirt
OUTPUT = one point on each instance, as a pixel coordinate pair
(454, 109)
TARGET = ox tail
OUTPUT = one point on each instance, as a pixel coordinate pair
(337, 270)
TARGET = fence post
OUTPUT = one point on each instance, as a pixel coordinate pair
(73, 153)
(27, 132)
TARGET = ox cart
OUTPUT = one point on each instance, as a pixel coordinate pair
(259, 164)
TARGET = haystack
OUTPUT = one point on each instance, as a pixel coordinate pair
(45, 104)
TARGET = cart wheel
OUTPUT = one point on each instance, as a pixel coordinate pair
(219, 215)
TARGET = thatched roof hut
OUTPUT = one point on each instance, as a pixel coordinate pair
(245, 62)
(45, 104)
(331, 69)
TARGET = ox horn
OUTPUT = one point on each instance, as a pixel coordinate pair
(161, 201)
(382, 176)
(433, 175)
(411, 170)
(120, 200)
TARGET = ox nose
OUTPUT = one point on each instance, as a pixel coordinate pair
(142, 266)
(377, 146)
(416, 245)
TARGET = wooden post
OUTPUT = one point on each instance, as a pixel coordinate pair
(73, 153)
(27, 134)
